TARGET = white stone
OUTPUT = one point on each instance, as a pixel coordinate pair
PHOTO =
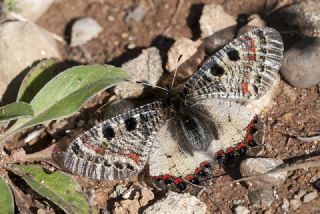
(295, 204)
(214, 19)
(33, 9)
(310, 196)
(178, 204)
(257, 166)
(183, 47)
(83, 30)
(22, 44)
(147, 67)
(241, 210)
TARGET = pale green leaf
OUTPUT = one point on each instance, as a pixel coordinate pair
(67, 92)
(56, 187)
(6, 198)
(36, 78)
(15, 110)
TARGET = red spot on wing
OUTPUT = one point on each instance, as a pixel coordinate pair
(248, 138)
(252, 50)
(241, 145)
(189, 177)
(97, 149)
(229, 150)
(178, 181)
(134, 157)
(165, 177)
(245, 84)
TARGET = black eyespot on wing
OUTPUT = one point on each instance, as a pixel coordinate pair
(108, 132)
(216, 70)
(131, 123)
(233, 54)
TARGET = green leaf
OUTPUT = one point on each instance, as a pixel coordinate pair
(6, 198)
(36, 78)
(57, 187)
(15, 110)
(67, 92)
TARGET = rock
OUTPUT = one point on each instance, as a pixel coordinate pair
(301, 63)
(241, 210)
(83, 30)
(126, 206)
(177, 203)
(121, 188)
(33, 9)
(131, 192)
(117, 107)
(305, 15)
(219, 39)
(182, 47)
(255, 20)
(300, 194)
(22, 51)
(285, 205)
(261, 198)
(214, 19)
(295, 204)
(310, 196)
(136, 14)
(147, 67)
(256, 166)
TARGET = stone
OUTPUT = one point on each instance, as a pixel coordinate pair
(300, 194)
(241, 210)
(285, 205)
(214, 19)
(22, 51)
(305, 15)
(136, 14)
(261, 198)
(147, 67)
(83, 30)
(256, 166)
(295, 204)
(33, 9)
(183, 48)
(255, 20)
(300, 67)
(178, 204)
(310, 196)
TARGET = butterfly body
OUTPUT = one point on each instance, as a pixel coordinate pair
(180, 138)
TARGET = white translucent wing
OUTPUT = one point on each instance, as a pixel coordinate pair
(231, 120)
(119, 147)
(168, 157)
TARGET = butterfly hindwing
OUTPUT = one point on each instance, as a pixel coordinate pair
(243, 69)
(116, 148)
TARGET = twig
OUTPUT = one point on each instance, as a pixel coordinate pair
(305, 165)
(174, 17)
(309, 139)
(23, 19)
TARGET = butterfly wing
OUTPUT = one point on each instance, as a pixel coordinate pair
(243, 69)
(118, 147)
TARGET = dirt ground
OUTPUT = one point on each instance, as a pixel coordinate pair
(295, 112)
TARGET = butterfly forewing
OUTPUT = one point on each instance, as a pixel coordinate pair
(118, 147)
(243, 69)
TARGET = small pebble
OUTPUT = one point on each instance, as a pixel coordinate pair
(295, 204)
(285, 205)
(214, 19)
(256, 166)
(83, 30)
(136, 14)
(310, 196)
(241, 210)
(178, 204)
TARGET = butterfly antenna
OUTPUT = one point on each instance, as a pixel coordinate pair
(175, 72)
(153, 86)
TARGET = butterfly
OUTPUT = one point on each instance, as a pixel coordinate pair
(181, 138)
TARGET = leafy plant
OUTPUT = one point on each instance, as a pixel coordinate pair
(45, 96)
(11, 5)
